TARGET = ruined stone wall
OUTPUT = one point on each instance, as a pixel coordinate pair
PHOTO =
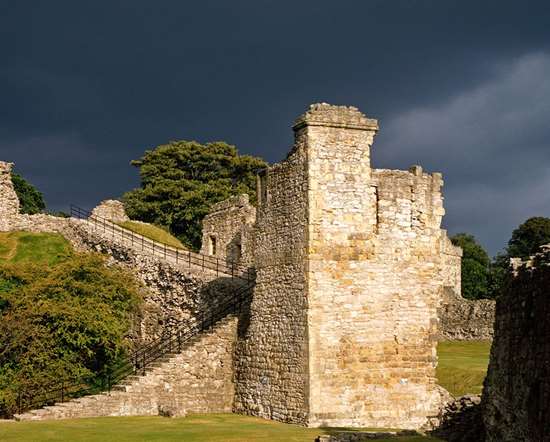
(112, 210)
(464, 319)
(271, 357)
(461, 319)
(227, 230)
(516, 394)
(173, 294)
(9, 202)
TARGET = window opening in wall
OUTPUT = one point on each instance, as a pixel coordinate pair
(238, 251)
(213, 245)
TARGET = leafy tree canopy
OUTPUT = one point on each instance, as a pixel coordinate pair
(528, 237)
(475, 267)
(181, 180)
(64, 321)
(30, 199)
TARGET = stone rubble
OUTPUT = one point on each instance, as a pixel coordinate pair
(112, 210)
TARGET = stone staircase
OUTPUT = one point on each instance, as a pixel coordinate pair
(198, 379)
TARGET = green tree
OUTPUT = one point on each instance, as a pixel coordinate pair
(181, 180)
(62, 322)
(525, 241)
(528, 237)
(30, 199)
(475, 267)
(499, 271)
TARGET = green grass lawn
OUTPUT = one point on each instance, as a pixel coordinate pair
(462, 366)
(193, 428)
(153, 232)
(33, 247)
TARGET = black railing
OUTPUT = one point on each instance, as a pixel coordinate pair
(137, 363)
(162, 250)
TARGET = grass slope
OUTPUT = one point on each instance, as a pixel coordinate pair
(153, 232)
(462, 366)
(193, 428)
(33, 247)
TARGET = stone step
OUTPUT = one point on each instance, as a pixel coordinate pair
(139, 393)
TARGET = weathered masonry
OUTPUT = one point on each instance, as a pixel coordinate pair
(351, 264)
(516, 393)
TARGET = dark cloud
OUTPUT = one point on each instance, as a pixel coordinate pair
(458, 86)
(492, 142)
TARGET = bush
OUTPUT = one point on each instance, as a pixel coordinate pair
(30, 199)
(62, 322)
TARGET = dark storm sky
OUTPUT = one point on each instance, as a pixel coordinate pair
(460, 87)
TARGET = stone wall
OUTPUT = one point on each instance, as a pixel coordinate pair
(374, 280)
(461, 319)
(173, 293)
(226, 230)
(9, 202)
(465, 320)
(272, 361)
(461, 420)
(197, 380)
(516, 395)
(112, 210)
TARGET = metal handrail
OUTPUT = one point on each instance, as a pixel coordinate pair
(185, 257)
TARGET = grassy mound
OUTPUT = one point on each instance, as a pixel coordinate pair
(462, 366)
(153, 232)
(193, 428)
(48, 248)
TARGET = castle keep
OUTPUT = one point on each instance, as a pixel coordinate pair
(341, 329)
(351, 263)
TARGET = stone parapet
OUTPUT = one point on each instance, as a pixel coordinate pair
(323, 114)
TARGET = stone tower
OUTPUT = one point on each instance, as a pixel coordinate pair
(350, 262)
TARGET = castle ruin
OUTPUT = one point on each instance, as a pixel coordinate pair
(351, 264)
